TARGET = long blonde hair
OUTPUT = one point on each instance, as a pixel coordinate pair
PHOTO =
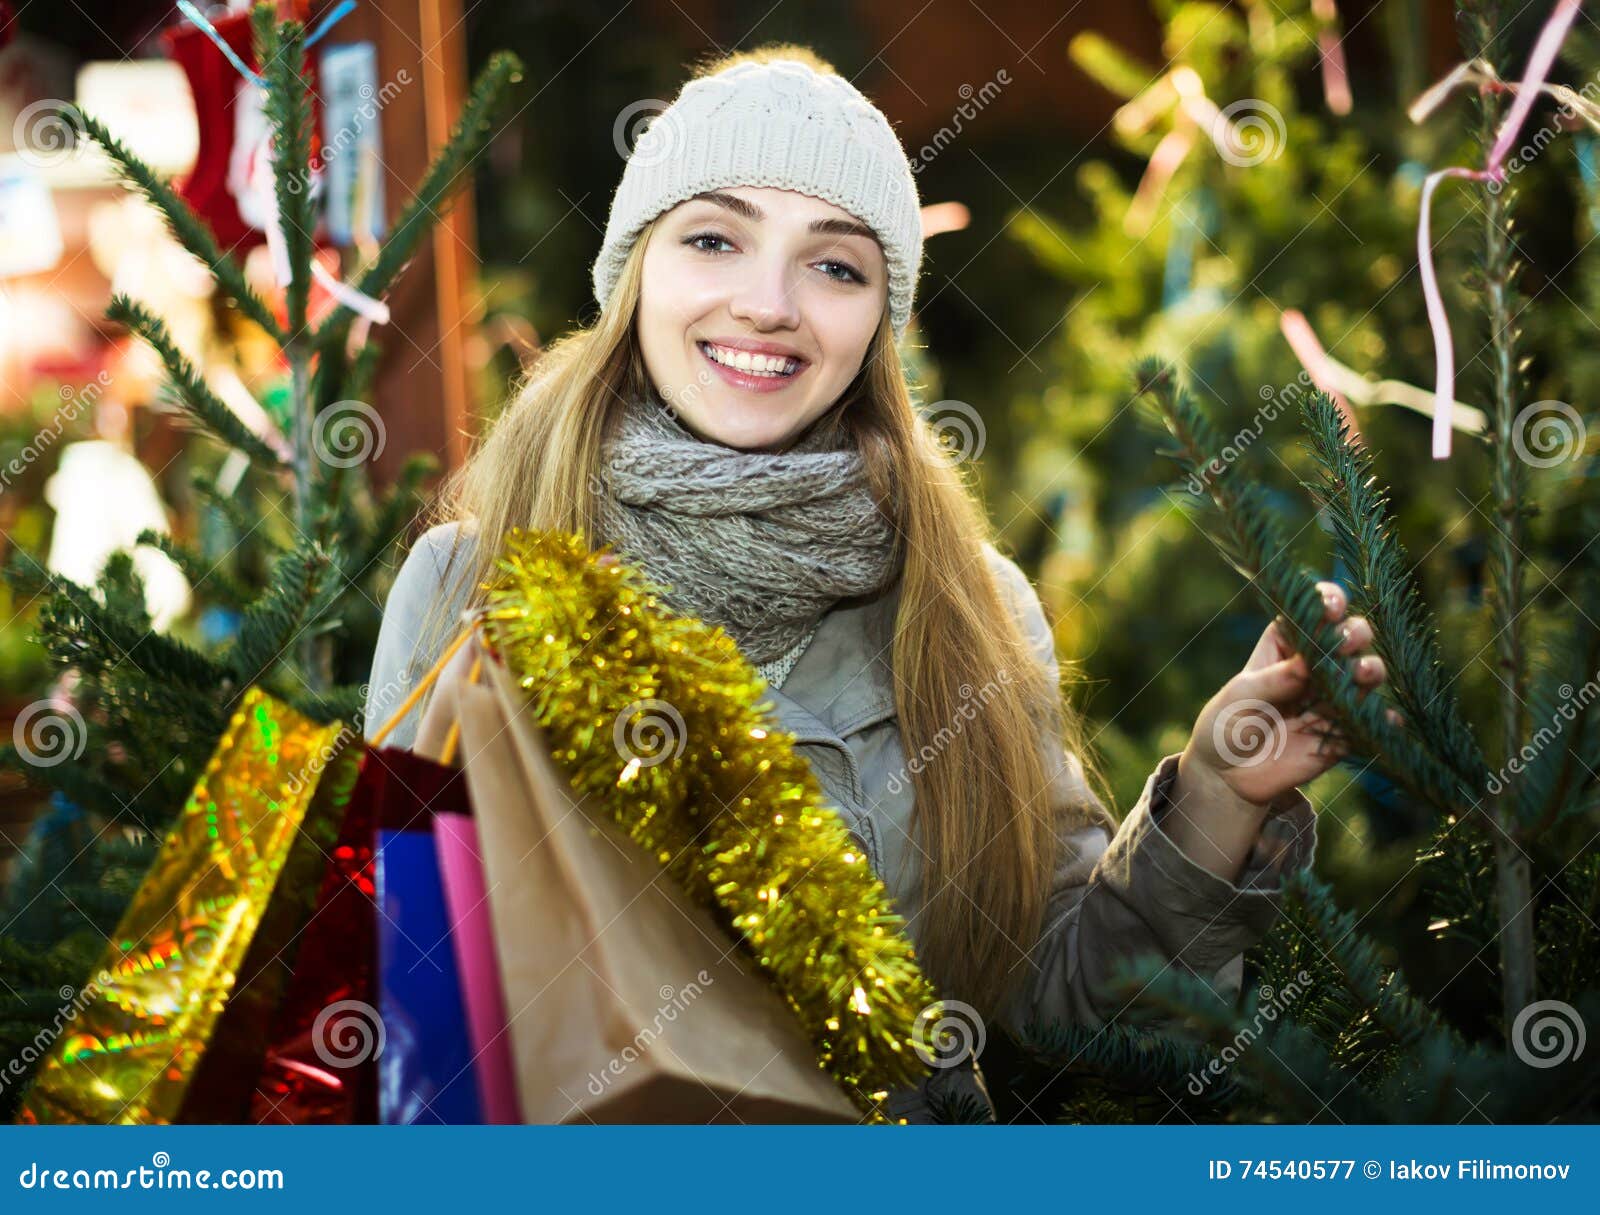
(983, 817)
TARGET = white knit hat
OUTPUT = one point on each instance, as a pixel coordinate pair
(782, 124)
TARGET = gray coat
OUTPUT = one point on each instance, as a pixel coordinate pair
(1119, 891)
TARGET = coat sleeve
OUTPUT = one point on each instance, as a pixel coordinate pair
(398, 664)
(1125, 891)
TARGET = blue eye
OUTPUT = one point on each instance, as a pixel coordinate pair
(850, 275)
(712, 236)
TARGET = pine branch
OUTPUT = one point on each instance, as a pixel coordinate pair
(468, 138)
(72, 781)
(187, 227)
(1377, 992)
(344, 703)
(1254, 544)
(1283, 1062)
(280, 50)
(1459, 878)
(1547, 788)
(396, 511)
(364, 369)
(189, 388)
(1131, 1057)
(1404, 633)
(1288, 958)
(200, 573)
(121, 589)
(230, 507)
(1439, 1085)
(82, 628)
(1569, 939)
(344, 378)
(1560, 782)
(275, 621)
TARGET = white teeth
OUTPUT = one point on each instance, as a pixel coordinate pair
(753, 364)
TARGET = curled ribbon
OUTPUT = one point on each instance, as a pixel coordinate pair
(1335, 75)
(1182, 91)
(1349, 387)
(1539, 62)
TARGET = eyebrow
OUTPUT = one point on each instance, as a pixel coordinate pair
(748, 210)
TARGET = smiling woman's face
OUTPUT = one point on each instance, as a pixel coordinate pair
(756, 309)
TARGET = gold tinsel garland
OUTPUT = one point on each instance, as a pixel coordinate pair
(722, 800)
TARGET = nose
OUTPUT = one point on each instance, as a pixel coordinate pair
(765, 298)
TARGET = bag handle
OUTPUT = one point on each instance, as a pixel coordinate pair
(427, 681)
(448, 755)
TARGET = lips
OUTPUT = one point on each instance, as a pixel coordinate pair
(752, 378)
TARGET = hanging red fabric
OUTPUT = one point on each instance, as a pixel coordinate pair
(216, 84)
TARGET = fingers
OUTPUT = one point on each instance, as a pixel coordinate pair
(1334, 601)
(1278, 683)
(1271, 647)
(1357, 634)
(1368, 671)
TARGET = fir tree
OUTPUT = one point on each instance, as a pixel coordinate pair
(1510, 799)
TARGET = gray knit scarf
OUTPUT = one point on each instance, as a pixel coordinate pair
(759, 543)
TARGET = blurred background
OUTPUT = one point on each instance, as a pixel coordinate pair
(1103, 180)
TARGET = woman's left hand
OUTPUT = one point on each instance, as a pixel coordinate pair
(1258, 736)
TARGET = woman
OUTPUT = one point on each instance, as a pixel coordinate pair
(737, 423)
